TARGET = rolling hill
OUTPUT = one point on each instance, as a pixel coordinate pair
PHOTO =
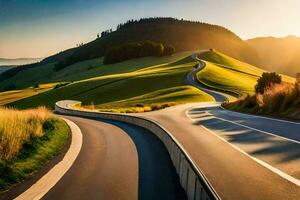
(124, 86)
(277, 54)
(183, 35)
(138, 84)
(226, 73)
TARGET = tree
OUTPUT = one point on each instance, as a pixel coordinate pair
(267, 80)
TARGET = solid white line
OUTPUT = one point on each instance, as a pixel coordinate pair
(273, 169)
(269, 118)
(44, 184)
(255, 129)
(245, 126)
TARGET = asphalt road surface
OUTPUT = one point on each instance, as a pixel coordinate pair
(243, 156)
(118, 161)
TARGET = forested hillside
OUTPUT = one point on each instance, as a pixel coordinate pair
(183, 35)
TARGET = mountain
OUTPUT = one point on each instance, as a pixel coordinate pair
(183, 35)
(18, 61)
(277, 54)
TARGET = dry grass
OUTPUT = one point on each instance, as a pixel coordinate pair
(18, 127)
(137, 108)
(279, 100)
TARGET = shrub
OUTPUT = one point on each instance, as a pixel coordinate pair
(61, 85)
(267, 80)
(297, 84)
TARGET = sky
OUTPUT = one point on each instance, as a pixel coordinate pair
(39, 28)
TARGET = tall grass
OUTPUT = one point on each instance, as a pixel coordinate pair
(18, 127)
(279, 99)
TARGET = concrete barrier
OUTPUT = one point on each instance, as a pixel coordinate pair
(192, 179)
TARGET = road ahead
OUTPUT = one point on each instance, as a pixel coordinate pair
(243, 156)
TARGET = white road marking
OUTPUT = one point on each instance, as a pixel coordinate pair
(45, 183)
(257, 116)
(268, 166)
(255, 129)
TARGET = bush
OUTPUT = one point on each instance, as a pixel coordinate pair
(297, 84)
(61, 85)
(267, 80)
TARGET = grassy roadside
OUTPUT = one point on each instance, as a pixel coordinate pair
(34, 154)
(280, 101)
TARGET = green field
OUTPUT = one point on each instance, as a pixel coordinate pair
(82, 70)
(224, 72)
(15, 95)
(120, 87)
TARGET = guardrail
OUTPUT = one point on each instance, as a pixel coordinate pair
(191, 177)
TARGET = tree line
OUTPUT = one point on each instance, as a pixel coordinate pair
(136, 50)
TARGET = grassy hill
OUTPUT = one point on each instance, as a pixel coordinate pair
(125, 86)
(277, 54)
(183, 35)
(227, 73)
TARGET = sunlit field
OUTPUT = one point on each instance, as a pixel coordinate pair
(18, 127)
(29, 139)
(226, 73)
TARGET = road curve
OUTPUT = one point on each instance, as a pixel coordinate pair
(118, 161)
(106, 167)
(239, 159)
(191, 80)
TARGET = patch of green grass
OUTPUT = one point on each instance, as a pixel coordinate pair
(15, 95)
(224, 72)
(82, 70)
(222, 78)
(35, 154)
(160, 83)
(156, 100)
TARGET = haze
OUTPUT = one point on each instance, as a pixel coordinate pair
(31, 28)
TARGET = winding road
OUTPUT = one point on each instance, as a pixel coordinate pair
(243, 156)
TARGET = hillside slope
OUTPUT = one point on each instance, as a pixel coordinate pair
(226, 73)
(125, 87)
(183, 35)
(278, 54)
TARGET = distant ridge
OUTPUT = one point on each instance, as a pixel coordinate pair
(18, 61)
(277, 54)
